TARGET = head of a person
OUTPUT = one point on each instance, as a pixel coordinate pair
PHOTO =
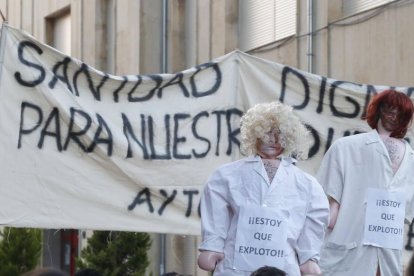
(268, 271)
(87, 272)
(276, 123)
(394, 109)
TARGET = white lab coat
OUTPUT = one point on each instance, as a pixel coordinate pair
(351, 165)
(245, 182)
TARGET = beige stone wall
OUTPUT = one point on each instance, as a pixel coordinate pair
(124, 37)
(375, 51)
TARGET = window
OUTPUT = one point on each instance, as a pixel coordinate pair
(58, 31)
(265, 21)
(350, 7)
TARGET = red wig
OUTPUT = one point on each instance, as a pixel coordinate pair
(393, 99)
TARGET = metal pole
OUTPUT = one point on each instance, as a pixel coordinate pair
(310, 36)
(164, 36)
(164, 65)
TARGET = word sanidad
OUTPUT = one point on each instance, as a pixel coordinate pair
(141, 88)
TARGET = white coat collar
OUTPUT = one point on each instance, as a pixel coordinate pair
(285, 160)
(375, 140)
(372, 137)
(281, 174)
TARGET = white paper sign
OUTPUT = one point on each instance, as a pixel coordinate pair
(384, 219)
(261, 238)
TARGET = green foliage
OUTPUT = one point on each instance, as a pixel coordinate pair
(116, 253)
(20, 250)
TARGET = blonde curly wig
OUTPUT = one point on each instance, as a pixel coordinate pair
(262, 118)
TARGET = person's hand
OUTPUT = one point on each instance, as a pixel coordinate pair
(207, 260)
(310, 268)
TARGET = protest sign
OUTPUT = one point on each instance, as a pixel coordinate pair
(384, 218)
(261, 238)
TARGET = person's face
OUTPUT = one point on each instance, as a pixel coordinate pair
(389, 118)
(269, 147)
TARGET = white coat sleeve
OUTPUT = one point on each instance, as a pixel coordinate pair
(330, 173)
(215, 213)
(317, 219)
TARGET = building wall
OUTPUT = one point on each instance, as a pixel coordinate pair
(125, 37)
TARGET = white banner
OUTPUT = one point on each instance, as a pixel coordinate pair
(84, 149)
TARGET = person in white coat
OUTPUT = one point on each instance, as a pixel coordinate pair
(263, 210)
(369, 179)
